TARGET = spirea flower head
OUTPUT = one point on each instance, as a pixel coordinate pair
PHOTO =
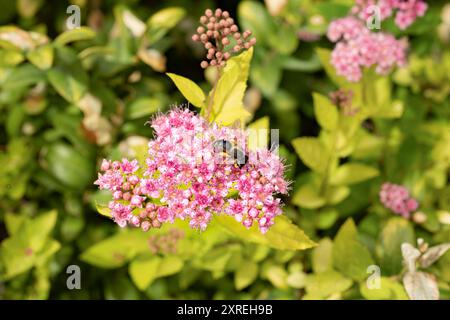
(185, 177)
(406, 11)
(216, 33)
(397, 198)
(357, 47)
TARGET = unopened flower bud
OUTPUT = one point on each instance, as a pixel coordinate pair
(208, 13)
(203, 19)
(145, 225)
(218, 13)
(225, 41)
(204, 64)
(195, 37)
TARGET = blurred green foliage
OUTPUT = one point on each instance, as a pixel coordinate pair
(70, 98)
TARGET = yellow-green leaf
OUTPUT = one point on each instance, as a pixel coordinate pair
(162, 21)
(283, 235)
(350, 256)
(103, 210)
(227, 99)
(258, 134)
(82, 33)
(388, 290)
(192, 92)
(143, 271)
(353, 172)
(322, 256)
(41, 57)
(324, 284)
(312, 152)
(326, 113)
(307, 196)
(245, 274)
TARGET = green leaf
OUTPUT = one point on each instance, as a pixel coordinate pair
(41, 57)
(312, 152)
(22, 76)
(70, 85)
(266, 75)
(49, 249)
(294, 64)
(335, 195)
(388, 290)
(350, 256)
(296, 280)
(245, 275)
(227, 103)
(170, 265)
(258, 134)
(117, 250)
(326, 218)
(143, 107)
(143, 271)
(253, 16)
(322, 256)
(13, 222)
(283, 235)
(284, 40)
(326, 113)
(326, 283)
(395, 232)
(10, 57)
(277, 275)
(192, 92)
(82, 33)
(162, 21)
(307, 196)
(69, 166)
(29, 245)
(216, 260)
(353, 172)
(103, 210)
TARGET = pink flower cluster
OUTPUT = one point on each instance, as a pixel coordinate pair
(186, 178)
(406, 11)
(397, 198)
(357, 47)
